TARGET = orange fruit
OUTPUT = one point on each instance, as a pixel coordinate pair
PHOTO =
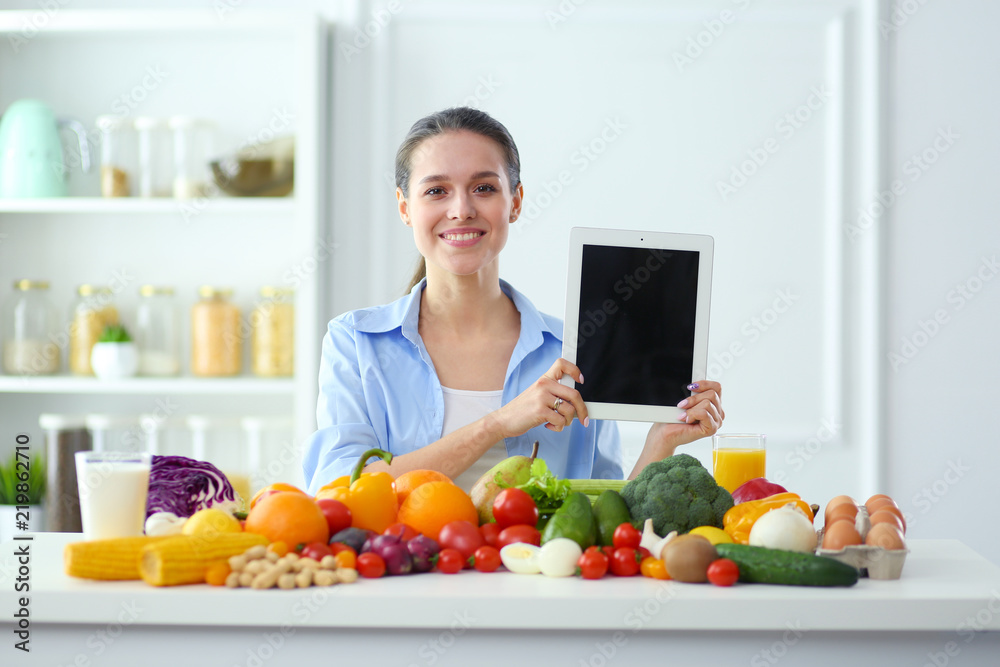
(433, 504)
(408, 481)
(273, 488)
(289, 517)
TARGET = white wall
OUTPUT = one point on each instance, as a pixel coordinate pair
(558, 83)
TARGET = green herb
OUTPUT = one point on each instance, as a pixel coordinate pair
(9, 482)
(547, 490)
(114, 333)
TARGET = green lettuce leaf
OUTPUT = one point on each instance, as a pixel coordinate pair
(547, 490)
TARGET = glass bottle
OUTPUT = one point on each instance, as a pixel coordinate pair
(273, 324)
(93, 310)
(157, 332)
(216, 339)
(30, 322)
(117, 156)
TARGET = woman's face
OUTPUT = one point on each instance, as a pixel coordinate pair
(460, 204)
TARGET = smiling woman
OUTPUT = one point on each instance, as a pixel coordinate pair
(464, 371)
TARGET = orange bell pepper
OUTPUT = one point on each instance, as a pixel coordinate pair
(371, 496)
(740, 518)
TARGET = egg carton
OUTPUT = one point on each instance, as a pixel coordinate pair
(870, 561)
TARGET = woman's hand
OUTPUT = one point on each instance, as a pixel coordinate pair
(703, 415)
(544, 402)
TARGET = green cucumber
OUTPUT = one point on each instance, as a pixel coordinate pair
(759, 565)
(610, 511)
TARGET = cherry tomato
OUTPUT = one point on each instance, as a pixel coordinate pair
(401, 530)
(337, 547)
(490, 533)
(723, 572)
(370, 566)
(653, 568)
(316, 551)
(347, 559)
(593, 564)
(450, 561)
(338, 515)
(487, 559)
(513, 507)
(522, 533)
(625, 562)
(626, 535)
(644, 552)
(461, 536)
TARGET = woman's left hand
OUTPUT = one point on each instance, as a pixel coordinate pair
(703, 415)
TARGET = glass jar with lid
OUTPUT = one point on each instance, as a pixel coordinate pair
(216, 338)
(93, 310)
(117, 155)
(30, 323)
(193, 151)
(157, 332)
(156, 164)
(273, 325)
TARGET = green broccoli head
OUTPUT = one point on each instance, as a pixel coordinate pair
(677, 493)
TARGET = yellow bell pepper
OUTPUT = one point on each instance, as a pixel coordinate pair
(740, 518)
(371, 497)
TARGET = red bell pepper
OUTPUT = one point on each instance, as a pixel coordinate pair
(755, 489)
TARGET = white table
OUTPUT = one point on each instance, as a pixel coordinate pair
(929, 616)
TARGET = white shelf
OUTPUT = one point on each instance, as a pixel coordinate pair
(166, 205)
(189, 386)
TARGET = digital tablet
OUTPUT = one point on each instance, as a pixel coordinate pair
(636, 325)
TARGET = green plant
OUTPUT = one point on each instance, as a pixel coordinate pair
(9, 481)
(114, 333)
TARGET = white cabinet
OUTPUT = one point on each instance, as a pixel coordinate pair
(257, 74)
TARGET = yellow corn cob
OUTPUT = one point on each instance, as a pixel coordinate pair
(110, 560)
(183, 559)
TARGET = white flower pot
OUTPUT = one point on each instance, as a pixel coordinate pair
(111, 361)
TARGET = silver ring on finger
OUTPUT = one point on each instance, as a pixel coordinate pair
(555, 406)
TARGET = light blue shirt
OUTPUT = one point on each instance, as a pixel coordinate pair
(378, 388)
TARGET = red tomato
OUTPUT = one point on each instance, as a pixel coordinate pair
(644, 552)
(487, 559)
(450, 561)
(593, 564)
(723, 572)
(490, 533)
(513, 507)
(626, 535)
(512, 534)
(404, 532)
(625, 562)
(338, 515)
(462, 536)
(316, 551)
(370, 566)
(337, 547)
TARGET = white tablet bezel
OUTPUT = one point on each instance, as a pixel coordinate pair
(704, 245)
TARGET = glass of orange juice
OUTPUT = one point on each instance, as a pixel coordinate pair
(738, 458)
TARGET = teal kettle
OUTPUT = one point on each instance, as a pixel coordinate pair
(32, 162)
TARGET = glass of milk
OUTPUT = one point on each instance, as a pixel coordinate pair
(113, 488)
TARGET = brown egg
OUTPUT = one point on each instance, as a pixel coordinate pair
(844, 510)
(837, 501)
(839, 535)
(894, 510)
(841, 517)
(885, 516)
(875, 502)
(885, 535)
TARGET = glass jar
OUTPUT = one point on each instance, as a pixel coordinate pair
(156, 164)
(216, 340)
(273, 325)
(194, 147)
(220, 441)
(93, 310)
(65, 435)
(30, 323)
(157, 332)
(117, 156)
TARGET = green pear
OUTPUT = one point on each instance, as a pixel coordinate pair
(513, 470)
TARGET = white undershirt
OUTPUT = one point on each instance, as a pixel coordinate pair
(461, 408)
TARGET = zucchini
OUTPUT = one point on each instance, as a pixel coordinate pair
(759, 565)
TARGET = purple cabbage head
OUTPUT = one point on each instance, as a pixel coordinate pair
(183, 486)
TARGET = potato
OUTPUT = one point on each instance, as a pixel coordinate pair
(687, 558)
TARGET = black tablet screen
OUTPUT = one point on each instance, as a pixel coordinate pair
(635, 334)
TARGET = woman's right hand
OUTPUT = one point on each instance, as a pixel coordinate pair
(546, 401)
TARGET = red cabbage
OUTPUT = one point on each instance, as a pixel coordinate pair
(183, 486)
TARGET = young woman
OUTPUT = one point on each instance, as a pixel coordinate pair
(463, 371)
